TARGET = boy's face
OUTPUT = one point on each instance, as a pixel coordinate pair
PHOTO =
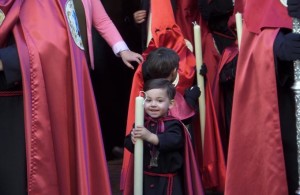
(157, 103)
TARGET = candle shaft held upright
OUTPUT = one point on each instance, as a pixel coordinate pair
(138, 148)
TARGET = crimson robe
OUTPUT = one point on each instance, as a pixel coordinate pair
(64, 148)
(211, 158)
(255, 158)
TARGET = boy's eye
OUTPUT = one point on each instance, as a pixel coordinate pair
(147, 100)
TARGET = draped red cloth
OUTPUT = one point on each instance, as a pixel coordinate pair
(268, 13)
(186, 13)
(64, 146)
(213, 167)
(228, 55)
(212, 161)
(255, 157)
(165, 33)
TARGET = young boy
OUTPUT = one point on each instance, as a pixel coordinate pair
(164, 63)
(165, 144)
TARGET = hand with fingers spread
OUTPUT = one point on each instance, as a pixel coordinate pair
(130, 56)
(140, 16)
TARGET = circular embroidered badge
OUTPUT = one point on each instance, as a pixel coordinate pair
(73, 23)
(2, 16)
(284, 2)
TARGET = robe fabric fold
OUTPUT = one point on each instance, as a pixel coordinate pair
(255, 153)
(64, 146)
(214, 168)
(211, 159)
(228, 55)
(186, 14)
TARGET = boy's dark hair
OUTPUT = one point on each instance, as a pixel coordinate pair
(161, 83)
(160, 63)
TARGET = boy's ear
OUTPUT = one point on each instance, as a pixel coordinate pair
(172, 103)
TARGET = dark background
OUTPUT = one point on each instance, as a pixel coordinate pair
(111, 78)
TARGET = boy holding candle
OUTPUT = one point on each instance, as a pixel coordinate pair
(164, 63)
(167, 147)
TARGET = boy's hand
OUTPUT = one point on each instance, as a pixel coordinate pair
(144, 134)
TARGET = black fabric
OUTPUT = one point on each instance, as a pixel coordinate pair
(227, 78)
(10, 78)
(191, 96)
(217, 14)
(287, 46)
(228, 71)
(214, 8)
(12, 139)
(82, 27)
(294, 8)
(158, 185)
(286, 101)
(203, 70)
(222, 34)
(12, 147)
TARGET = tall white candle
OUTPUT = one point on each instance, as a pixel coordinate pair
(138, 148)
(239, 27)
(200, 79)
(149, 26)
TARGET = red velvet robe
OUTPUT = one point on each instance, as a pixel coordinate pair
(255, 158)
(64, 146)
